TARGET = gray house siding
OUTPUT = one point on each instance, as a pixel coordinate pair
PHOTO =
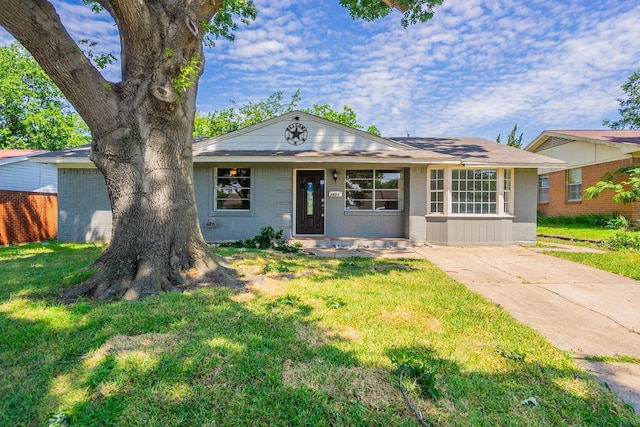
(272, 204)
(416, 224)
(467, 231)
(525, 205)
(84, 211)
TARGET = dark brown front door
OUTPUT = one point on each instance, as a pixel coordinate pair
(310, 202)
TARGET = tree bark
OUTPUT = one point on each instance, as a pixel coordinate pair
(141, 138)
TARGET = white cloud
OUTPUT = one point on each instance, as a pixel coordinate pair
(476, 69)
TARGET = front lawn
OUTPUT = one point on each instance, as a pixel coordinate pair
(585, 232)
(620, 247)
(307, 341)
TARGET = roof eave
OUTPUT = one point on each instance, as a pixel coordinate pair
(336, 159)
(62, 160)
(515, 165)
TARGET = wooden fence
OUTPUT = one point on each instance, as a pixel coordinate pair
(27, 217)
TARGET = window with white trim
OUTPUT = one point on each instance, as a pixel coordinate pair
(543, 189)
(232, 189)
(368, 190)
(574, 184)
(466, 191)
(507, 191)
(436, 191)
(474, 191)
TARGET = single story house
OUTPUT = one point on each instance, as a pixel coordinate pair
(28, 202)
(325, 182)
(589, 155)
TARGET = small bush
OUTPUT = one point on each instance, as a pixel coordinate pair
(617, 222)
(268, 238)
(415, 376)
(333, 302)
(275, 267)
(624, 240)
(614, 221)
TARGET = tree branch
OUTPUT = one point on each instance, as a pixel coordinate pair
(395, 5)
(37, 26)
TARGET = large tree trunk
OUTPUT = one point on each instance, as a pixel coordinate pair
(156, 242)
(141, 129)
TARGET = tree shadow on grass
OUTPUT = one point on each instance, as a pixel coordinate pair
(523, 392)
(197, 358)
(215, 356)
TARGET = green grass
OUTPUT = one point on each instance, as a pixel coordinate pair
(577, 232)
(314, 341)
(623, 262)
(613, 359)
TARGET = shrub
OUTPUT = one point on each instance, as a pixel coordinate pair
(614, 221)
(415, 375)
(622, 241)
(275, 267)
(268, 238)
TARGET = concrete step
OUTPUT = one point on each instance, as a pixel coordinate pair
(351, 242)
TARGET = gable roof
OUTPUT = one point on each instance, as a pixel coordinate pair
(328, 141)
(627, 140)
(322, 135)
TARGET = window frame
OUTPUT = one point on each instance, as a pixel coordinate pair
(373, 189)
(504, 192)
(469, 190)
(507, 191)
(440, 202)
(572, 186)
(249, 199)
(542, 178)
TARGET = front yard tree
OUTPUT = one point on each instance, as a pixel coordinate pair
(630, 107)
(141, 126)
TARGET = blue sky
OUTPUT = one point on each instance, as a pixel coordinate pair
(476, 69)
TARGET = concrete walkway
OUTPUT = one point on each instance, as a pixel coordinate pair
(579, 309)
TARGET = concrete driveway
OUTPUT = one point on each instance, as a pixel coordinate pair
(580, 309)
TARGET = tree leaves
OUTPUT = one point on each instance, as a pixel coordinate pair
(629, 107)
(413, 11)
(33, 112)
(625, 183)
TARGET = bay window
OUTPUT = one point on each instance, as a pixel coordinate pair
(465, 191)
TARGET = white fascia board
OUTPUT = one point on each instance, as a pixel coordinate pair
(281, 159)
(558, 164)
(70, 162)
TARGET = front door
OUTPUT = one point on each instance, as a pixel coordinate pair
(310, 202)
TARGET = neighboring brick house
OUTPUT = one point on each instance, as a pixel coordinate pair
(28, 198)
(589, 154)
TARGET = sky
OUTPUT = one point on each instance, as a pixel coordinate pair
(476, 69)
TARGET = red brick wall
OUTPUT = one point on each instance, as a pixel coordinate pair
(603, 204)
(27, 217)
